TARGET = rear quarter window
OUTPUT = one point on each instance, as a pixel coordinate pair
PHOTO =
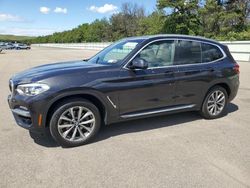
(210, 53)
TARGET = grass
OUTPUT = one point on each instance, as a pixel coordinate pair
(14, 38)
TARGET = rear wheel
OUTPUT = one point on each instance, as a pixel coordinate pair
(215, 103)
(75, 123)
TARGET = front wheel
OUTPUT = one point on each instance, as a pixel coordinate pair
(215, 103)
(75, 122)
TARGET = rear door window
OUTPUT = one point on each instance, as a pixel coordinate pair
(210, 53)
(187, 52)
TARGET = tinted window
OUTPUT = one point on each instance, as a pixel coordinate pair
(210, 53)
(187, 52)
(158, 54)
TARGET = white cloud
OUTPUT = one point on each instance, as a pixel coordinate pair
(28, 31)
(107, 8)
(10, 18)
(61, 10)
(44, 10)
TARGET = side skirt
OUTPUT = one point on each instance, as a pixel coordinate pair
(157, 111)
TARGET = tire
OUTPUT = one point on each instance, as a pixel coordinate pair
(207, 110)
(72, 133)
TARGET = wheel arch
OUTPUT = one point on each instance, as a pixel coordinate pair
(102, 107)
(221, 84)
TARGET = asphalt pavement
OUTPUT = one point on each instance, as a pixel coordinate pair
(180, 150)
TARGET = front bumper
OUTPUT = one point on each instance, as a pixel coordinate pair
(22, 117)
(27, 114)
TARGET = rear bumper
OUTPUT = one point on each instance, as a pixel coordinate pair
(234, 87)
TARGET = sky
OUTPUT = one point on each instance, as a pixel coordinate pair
(43, 17)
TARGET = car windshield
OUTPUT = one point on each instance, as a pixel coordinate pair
(115, 52)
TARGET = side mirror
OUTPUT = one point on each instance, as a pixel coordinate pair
(139, 63)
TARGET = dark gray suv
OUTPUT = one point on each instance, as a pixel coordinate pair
(133, 78)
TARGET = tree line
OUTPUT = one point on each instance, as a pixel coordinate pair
(217, 19)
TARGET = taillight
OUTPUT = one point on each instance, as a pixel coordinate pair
(237, 68)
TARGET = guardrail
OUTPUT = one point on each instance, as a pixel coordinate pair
(239, 49)
(86, 46)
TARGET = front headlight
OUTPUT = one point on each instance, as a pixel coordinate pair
(32, 89)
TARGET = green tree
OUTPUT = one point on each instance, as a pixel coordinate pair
(211, 19)
(98, 31)
(181, 16)
(118, 28)
(237, 12)
(84, 30)
(225, 21)
(152, 24)
(126, 23)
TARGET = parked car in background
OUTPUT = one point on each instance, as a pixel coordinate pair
(1, 49)
(3, 46)
(133, 78)
(19, 46)
(9, 46)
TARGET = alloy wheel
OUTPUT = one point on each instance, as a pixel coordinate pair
(216, 103)
(76, 124)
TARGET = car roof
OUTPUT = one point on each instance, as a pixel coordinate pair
(162, 36)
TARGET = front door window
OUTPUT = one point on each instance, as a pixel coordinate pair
(158, 54)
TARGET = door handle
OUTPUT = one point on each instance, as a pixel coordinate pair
(211, 69)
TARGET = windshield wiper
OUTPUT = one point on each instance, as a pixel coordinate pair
(85, 60)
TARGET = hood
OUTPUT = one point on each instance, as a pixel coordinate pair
(50, 70)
